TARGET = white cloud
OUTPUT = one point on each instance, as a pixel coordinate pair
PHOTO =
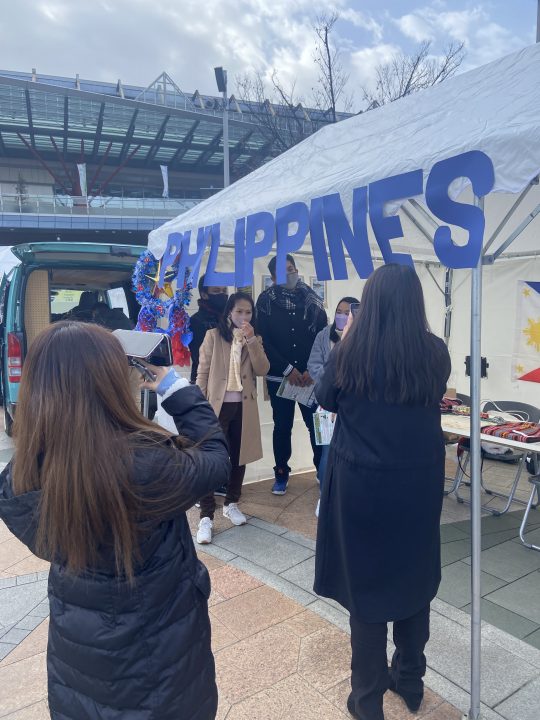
(136, 40)
(53, 11)
(363, 21)
(493, 41)
(459, 25)
(484, 39)
(415, 27)
(427, 23)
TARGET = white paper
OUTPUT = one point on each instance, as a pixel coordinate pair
(303, 395)
(324, 427)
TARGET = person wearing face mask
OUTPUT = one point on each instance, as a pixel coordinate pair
(323, 345)
(231, 358)
(290, 316)
(211, 305)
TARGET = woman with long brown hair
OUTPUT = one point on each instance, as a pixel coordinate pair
(101, 493)
(378, 540)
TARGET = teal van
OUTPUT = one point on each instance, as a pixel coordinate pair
(54, 281)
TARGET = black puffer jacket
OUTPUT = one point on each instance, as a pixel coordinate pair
(142, 652)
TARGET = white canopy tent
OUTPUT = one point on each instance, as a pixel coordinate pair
(494, 109)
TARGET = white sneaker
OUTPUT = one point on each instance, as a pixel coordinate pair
(317, 508)
(235, 515)
(204, 533)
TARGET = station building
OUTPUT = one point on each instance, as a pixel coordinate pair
(84, 160)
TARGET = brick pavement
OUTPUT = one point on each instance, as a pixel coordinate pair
(281, 652)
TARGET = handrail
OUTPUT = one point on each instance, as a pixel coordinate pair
(99, 205)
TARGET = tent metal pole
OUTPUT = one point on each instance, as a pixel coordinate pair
(422, 210)
(432, 276)
(508, 215)
(489, 260)
(476, 500)
(517, 232)
(417, 224)
(448, 281)
(538, 23)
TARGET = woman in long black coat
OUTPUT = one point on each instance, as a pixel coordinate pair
(378, 543)
(102, 493)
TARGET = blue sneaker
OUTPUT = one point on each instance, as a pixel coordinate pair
(281, 475)
(280, 487)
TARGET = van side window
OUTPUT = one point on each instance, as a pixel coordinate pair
(62, 301)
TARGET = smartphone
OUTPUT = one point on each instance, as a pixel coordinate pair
(145, 372)
(355, 307)
(153, 348)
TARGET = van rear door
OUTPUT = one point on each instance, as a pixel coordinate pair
(58, 253)
(38, 264)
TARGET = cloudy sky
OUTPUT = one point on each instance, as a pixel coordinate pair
(136, 40)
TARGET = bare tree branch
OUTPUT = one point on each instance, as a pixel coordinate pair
(406, 74)
(280, 118)
(332, 77)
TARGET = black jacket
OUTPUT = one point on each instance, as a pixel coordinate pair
(287, 337)
(202, 321)
(378, 542)
(142, 652)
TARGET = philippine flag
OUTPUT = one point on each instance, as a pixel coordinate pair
(526, 360)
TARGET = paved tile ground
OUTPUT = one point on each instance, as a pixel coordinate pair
(274, 658)
(511, 572)
(281, 651)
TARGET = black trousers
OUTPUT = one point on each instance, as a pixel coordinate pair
(369, 665)
(283, 416)
(230, 419)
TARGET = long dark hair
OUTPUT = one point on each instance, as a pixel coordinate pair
(224, 325)
(390, 338)
(334, 337)
(75, 431)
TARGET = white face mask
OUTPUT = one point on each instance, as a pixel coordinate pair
(292, 280)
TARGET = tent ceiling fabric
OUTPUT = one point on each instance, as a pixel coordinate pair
(494, 108)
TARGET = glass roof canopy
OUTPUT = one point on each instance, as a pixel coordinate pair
(79, 120)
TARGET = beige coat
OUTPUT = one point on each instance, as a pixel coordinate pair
(212, 375)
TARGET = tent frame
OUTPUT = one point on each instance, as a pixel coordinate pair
(476, 477)
(476, 509)
(475, 381)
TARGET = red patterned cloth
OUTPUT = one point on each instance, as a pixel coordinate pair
(521, 431)
(447, 404)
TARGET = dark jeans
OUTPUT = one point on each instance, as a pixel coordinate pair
(369, 665)
(283, 416)
(230, 419)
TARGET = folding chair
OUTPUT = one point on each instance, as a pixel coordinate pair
(535, 482)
